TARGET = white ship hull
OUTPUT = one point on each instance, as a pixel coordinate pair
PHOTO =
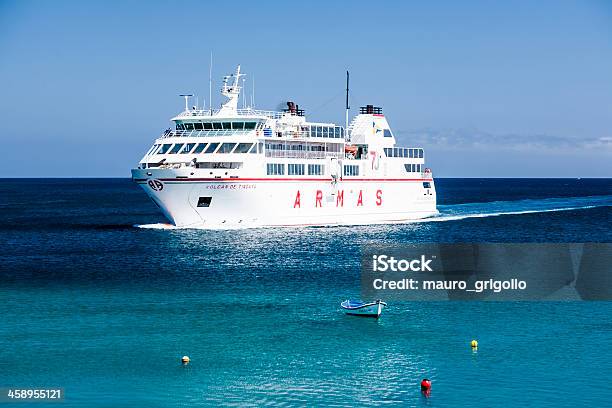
(284, 201)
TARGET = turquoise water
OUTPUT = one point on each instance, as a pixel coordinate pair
(105, 310)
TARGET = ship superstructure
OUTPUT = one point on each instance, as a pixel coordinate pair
(239, 168)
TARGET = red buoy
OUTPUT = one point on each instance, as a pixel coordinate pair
(425, 384)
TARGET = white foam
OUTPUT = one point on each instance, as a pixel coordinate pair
(156, 226)
(442, 217)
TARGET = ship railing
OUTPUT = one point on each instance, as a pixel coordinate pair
(305, 134)
(297, 154)
(298, 135)
(238, 112)
(205, 133)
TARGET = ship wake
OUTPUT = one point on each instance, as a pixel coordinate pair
(457, 212)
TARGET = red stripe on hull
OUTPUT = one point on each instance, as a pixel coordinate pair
(237, 180)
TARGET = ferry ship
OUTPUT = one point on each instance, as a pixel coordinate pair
(242, 168)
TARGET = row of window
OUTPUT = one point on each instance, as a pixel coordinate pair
(336, 132)
(351, 170)
(308, 147)
(403, 152)
(197, 148)
(413, 168)
(315, 169)
(216, 126)
(294, 169)
(275, 169)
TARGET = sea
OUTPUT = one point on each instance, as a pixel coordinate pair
(98, 301)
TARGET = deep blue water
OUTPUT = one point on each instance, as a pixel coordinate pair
(104, 309)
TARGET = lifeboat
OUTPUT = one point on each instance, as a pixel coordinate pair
(352, 150)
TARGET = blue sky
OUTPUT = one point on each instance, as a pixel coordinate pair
(495, 89)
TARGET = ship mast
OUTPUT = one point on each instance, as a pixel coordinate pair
(210, 102)
(232, 92)
(347, 107)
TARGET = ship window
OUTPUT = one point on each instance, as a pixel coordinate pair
(420, 153)
(238, 125)
(179, 126)
(187, 148)
(260, 147)
(189, 126)
(216, 125)
(151, 149)
(387, 133)
(387, 151)
(250, 125)
(204, 201)
(197, 125)
(219, 165)
(275, 169)
(253, 149)
(212, 147)
(325, 131)
(319, 131)
(176, 148)
(295, 169)
(164, 149)
(407, 167)
(411, 153)
(426, 184)
(207, 125)
(315, 169)
(226, 147)
(227, 125)
(200, 148)
(337, 132)
(351, 170)
(243, 147)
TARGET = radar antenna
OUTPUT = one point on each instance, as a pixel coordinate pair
(186, 96)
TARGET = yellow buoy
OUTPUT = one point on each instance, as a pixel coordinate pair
(474, 344)
(185, 359)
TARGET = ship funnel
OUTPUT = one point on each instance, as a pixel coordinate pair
(370, 110)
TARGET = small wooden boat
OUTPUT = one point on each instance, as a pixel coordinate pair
(359, 308)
